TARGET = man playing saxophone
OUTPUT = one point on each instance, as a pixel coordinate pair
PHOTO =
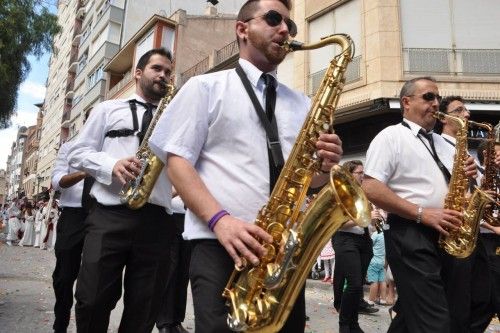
(222, 166)
(407, 173)
(470, 309)
(119, 237)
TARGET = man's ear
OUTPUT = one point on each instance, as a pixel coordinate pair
(138, 73)
(242, 30)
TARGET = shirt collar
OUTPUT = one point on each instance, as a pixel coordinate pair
(449, 138)
(254, 74)
(414, 127)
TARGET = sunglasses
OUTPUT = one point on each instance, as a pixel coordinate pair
(273, 19)
(430, 97)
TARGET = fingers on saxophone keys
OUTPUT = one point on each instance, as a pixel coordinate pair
(245, 252)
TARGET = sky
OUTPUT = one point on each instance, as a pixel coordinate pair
(31, 91)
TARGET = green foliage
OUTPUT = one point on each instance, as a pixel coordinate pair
(26, 28)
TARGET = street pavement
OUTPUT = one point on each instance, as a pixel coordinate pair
(27, 298)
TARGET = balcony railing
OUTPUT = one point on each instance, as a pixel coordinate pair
(226, 52)
(464, 62)
(122, 83)
(197, 69)
(352, 74)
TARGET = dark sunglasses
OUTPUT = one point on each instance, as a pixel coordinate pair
(273, 19)
(430, 97)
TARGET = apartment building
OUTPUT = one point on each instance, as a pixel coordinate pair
(395, 40)
(31, 181)
(59, 92)
(14, 175)
(3, 188)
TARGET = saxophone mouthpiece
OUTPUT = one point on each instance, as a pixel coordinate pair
(292, 45)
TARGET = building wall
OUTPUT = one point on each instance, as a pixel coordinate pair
(56, 94)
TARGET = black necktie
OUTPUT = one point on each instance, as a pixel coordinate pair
(270, 95)
(270, 92)
(87, 200)
(429, 138)
(146, 118)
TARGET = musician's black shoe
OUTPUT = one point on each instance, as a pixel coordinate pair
(178, 329)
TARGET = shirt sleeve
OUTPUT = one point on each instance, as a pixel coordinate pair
(380, 157)
(85, 153)
(61, 167)
(183, 127)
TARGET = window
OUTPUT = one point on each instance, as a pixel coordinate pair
(95, 76)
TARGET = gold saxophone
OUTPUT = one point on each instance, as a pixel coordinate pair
(491, 179)
(261, 297)
(462, 242)
(135, 193)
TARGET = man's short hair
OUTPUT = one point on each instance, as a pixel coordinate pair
(409, 88)
(250, 7)
(443, 106)
(351, 165)
(144, 59)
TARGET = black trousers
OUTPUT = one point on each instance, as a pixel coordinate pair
(415, 260)
(68, 251)
(352, 256)
(491, 243)
(118, 238)
(173, 308)
(210, 270)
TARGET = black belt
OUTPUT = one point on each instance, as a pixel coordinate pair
(74, 209)
(125, 207)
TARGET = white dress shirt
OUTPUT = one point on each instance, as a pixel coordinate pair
(97, 155)
(70, 196)
(212, 123)
(398, 157)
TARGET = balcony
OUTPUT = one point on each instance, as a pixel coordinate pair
(111, 14)
(76, 40)
(80, 13)
(72, 67)
(352, 74)
(226, 52)
(455, 62)
(122, 83)
(197, 69)
(65, 121)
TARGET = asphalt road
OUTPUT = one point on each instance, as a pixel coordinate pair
(27, 298)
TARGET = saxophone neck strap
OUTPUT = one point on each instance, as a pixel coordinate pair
(271, 127)
(435, 157)
(126, 131)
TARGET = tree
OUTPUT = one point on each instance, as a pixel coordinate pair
(26, 28)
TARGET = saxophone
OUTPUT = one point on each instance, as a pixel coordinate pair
(491, 179)
(260, 298)
(135, 193)
(461, 242)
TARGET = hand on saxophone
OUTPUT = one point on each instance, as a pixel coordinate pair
(470, 167)
(239, 238)
(127, 169)
(329, 149)
(443, 220)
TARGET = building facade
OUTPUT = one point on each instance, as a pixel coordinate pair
(14, 175)
(393, 44)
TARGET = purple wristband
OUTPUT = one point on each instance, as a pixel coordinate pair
(213, 221)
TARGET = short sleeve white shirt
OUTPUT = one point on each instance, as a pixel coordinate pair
(212, 123)
(400, 158)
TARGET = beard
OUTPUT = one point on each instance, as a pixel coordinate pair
(153, 90)
(270, 50)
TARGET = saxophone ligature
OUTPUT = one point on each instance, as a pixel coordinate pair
(135, 193)
(261, 297)
(461, 242)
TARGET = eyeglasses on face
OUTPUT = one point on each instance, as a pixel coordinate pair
(429, 97)
(460, 109)
(273, 19)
